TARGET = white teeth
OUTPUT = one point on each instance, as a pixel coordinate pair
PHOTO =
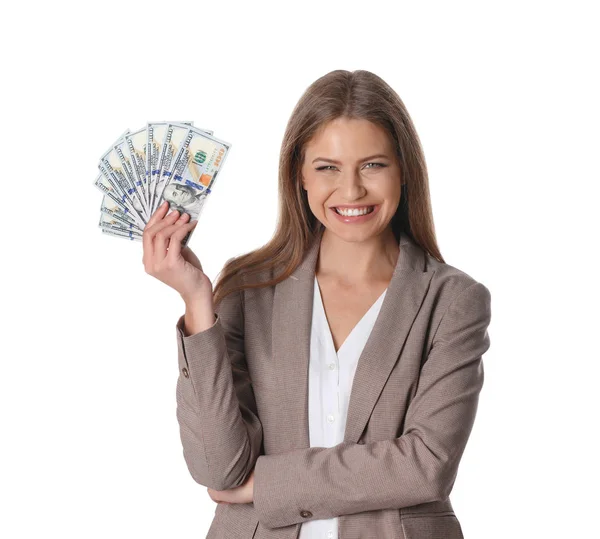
(354, 212)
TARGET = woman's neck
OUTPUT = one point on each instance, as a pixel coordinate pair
(356, 262)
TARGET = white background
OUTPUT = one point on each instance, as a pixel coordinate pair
(504, 96)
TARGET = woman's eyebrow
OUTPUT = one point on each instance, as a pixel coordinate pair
(338, 163)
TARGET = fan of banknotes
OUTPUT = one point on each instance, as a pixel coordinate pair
(172, 161)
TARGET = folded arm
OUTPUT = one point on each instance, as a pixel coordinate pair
(418, 467)
(219, 425)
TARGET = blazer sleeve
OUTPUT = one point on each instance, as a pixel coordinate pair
(219, 426)
(418, 467)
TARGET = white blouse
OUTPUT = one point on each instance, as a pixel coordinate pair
(330, 382)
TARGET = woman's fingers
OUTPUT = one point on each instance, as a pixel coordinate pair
(163, 237)
(154, 229)
(176, 239)
(147, 232)
(163, 234)
(158, 214)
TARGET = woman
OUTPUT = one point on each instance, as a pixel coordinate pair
(329, 385)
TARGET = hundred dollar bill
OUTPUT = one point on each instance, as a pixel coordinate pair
(110, 165)
(120, 185)
(125, 235)
(128, 166)
(107, 187)
(156, 133)
(194, 171)
(137, 145)
(106, 221)
(173, 134)
(115, 211)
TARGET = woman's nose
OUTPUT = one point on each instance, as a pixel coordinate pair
(351, 183)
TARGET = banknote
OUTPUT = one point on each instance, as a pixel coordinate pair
(155, 137)
(174, 136)
(107, 187)
(127, 166)
(111, 223)
(162, 145)
(136, 146)
(111, 167)
(193, 173)
(195, 168)
(126, 235)
(116, 211)
(159, 139)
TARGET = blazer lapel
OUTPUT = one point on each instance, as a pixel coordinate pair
(291, 326)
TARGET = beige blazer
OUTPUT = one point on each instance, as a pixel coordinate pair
(242, 404)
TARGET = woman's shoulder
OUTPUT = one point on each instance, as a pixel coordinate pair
(448, 282)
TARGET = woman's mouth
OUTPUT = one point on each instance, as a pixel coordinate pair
(355, 215)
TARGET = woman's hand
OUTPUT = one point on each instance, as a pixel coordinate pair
(243, 494)
(164, 257)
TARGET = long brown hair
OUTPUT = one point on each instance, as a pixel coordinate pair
(352, 94)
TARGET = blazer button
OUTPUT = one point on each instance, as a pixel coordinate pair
(305, 514)
(185, 372)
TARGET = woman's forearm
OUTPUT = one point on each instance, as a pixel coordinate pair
(199, 315)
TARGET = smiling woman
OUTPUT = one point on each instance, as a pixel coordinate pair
(330, 381)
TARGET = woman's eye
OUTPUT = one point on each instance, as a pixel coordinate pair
(377, 165)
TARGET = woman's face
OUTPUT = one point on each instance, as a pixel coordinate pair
(352, 163)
